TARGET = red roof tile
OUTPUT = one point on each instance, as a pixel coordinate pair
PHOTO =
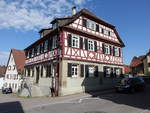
(19, 58)
(136, 61)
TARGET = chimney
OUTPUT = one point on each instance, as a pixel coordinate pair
(74, 10)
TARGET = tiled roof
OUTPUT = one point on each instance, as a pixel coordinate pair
(136, 61)
(127, 69)
(2, 71)
(19, 58)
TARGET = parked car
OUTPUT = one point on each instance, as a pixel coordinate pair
(6, 90)
(130, 85)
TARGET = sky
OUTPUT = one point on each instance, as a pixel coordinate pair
(20, 21)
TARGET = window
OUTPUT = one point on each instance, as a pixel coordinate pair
(75, 41)
(116, 51)
(91, 25)
(9, 67)
(91, 45)
(74, 70)
(38, 50)
(32, 52)
(35, 51)
(91, 71)
(106, 49)
(107, 71)
(14, 67)
(54, 44)
(106, 32)
(46, 46)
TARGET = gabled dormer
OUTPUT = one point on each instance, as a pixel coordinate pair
(44, 32)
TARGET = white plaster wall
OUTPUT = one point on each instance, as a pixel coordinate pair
(1, 82)
(11, 72)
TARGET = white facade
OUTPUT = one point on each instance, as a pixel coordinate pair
(1, 82)
(12, 78)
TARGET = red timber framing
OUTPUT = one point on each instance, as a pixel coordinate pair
(50, 55)
(77, 25)
(85, 55)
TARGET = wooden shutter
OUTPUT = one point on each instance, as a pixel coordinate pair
(102, 30)
(81, 43)
(97, 28)
(96, 71)
(86, 70)
(95, 46)
(84, 23)
(104, 70)
(103, 48)
(113, 50)
(112, 73)
(69, 40)
(119, 52)
(50, 44)
(69, 69)
(86, 43)
(82, 70)
(110, 48)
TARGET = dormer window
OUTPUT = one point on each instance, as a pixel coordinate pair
(42, 34)
(55, 25)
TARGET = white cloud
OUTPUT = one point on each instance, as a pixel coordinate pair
(3, 57)
(34, 14)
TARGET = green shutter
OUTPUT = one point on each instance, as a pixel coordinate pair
(95, 46)
(69, 39)
(69, 69)
(82, 70)
(86, 70)
(86, 43)
(81, 43)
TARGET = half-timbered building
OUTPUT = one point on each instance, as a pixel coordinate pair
(14, 71)
(79, 53)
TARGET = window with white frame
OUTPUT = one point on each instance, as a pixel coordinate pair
(91, 45)
(116, 51)
(91, 25)
(107, 49)
(74, 70)
(75, 41)
(91, 71)
(54, 43)
(106, 32)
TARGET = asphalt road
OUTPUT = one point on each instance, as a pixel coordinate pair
(103, 103)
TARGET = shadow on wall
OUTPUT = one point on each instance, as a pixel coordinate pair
(98, 82)
(11, 107)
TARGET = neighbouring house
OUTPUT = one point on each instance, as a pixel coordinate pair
(137, 66)
(127, 69)
(80, 53)
(14, 71)
(2, 75)
(146, 61)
